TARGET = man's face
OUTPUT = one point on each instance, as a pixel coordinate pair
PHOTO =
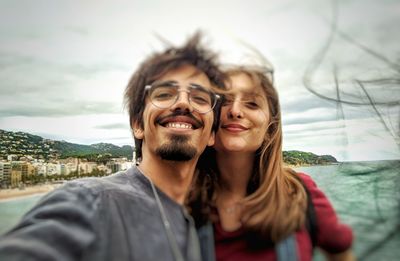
(178, 133)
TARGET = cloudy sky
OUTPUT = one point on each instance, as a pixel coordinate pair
(64, 65)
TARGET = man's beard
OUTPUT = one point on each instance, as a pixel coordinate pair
(177, 149)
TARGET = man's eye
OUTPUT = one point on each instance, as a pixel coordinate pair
(164, 94)
(200, 99)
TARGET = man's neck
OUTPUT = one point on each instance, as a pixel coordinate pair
(171, 177)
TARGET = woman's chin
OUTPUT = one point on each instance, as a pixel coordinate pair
(235, 149)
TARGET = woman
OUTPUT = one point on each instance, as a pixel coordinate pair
(258, 207)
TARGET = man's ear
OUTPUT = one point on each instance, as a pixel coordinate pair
(211, 140)
(137, 130)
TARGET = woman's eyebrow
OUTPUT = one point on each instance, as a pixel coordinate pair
(252, 95)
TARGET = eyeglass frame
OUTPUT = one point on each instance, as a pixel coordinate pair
(214, 96)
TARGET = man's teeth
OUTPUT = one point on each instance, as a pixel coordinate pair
(179, 125)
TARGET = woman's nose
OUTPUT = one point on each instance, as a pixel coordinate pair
(235, 110)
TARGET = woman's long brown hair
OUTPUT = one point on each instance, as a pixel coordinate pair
(276, 202)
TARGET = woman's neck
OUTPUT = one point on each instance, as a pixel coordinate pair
(235, 170)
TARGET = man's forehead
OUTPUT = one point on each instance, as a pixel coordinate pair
(185, 72)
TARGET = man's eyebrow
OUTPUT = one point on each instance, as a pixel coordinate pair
(197, 85)
(168, 83)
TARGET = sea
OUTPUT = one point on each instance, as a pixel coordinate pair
(365, 195)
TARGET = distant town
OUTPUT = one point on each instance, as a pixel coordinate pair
(27, 160)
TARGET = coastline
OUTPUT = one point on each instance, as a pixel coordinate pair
(15, 193)
(10, 194)
(310, 165)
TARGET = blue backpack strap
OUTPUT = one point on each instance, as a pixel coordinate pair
(206, 238)
(286, 250)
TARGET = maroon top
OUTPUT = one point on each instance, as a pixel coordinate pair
(333, 237)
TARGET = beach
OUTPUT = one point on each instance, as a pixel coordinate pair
(6, 194)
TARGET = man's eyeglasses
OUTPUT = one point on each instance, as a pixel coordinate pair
(165, 94)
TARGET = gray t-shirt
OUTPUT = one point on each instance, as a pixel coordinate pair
(111, 218)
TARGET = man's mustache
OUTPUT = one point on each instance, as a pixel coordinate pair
(198, 123)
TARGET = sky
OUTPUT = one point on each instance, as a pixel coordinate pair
(64, 65)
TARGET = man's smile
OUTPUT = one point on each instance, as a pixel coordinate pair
(179, 125)
(186, 121)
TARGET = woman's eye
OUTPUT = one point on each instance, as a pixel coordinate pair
(252, 105)
(226, 102)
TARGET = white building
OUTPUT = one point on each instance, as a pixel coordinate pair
(12, 157)
(1, 172)
(70, 167)
(87, 167)
(5, 173)
(53, 169)
(40, 168)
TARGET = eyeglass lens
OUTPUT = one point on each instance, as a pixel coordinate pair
(165, 95)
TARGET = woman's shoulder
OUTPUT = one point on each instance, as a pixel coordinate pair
(333, 236)
(318, 197)
(307, 181)
(305, 177)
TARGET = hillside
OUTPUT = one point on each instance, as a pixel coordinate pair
(297, 158)
(25, 144)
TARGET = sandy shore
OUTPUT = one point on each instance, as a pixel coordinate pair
(6, 194)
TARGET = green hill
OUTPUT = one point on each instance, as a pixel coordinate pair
(296, 158)
(25, 144)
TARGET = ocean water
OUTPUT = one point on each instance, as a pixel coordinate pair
(11, 210)
(365, 195)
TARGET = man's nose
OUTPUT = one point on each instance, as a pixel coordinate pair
(182, 102)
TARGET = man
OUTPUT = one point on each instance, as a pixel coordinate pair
(137, 214)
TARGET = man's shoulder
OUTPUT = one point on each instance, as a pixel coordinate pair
(91, 195)
(117, 180)
(123, 182)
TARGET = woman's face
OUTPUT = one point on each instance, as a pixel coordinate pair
(244, 116)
